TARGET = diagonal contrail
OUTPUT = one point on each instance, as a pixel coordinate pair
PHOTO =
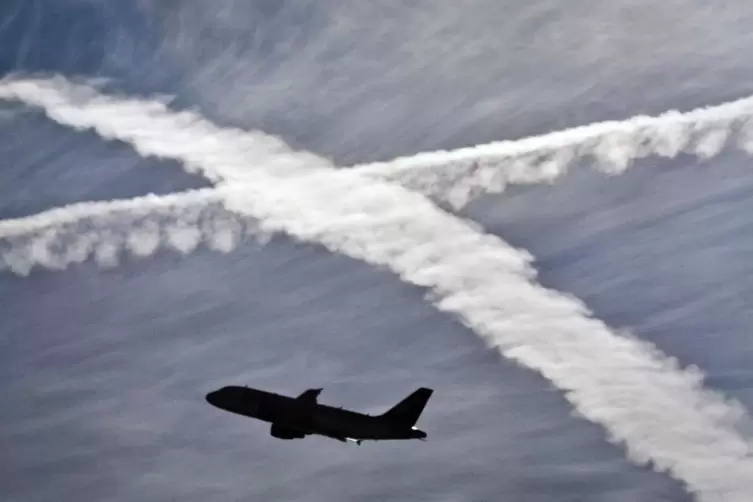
(658, 411)
(195, 141)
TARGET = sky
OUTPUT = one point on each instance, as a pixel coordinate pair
(363, 287)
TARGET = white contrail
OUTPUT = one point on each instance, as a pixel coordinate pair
(660, 413)
(194, 140)
(138, 206)
(460, 175)
(63, 236)
(454, 176)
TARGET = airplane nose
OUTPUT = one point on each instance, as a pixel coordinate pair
(211, 398)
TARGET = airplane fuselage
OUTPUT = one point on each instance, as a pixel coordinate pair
(308, 417)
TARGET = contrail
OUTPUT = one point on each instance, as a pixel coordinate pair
(138, 206)
(67, 235)
(455, 177)
(458, 176)
(194, 140)
(658, 411)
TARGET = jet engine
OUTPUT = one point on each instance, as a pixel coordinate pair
(281, 432)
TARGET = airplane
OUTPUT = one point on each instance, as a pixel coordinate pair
(301, 416)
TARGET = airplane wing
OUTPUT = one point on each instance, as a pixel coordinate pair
(309, 396)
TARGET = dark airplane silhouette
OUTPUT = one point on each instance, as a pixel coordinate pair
(302, 416)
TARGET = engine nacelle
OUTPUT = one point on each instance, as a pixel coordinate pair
(281, 432)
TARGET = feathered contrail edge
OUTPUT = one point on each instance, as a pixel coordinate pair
(60, 237)
(458, 176)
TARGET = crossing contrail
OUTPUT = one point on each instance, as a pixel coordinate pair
(455, 177)
(660, 412)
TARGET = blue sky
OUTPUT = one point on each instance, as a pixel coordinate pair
(105, 367)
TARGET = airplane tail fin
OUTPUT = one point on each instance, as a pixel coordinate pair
(407, 411)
